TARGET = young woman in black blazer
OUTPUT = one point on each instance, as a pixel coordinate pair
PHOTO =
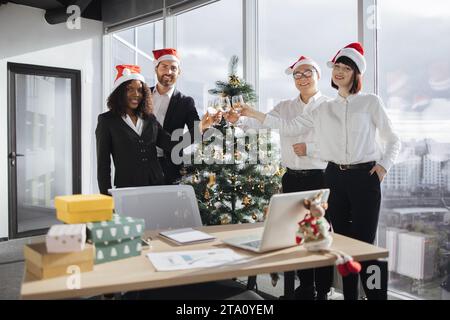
(129, 132)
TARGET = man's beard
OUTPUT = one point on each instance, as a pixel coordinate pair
(166, 83)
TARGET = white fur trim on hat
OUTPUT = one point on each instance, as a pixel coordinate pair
(353, 54)
(308, 61)
(167, 57)
(125, 77)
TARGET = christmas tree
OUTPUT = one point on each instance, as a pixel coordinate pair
(233, 185)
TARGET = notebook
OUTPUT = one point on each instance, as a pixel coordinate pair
(186, 236)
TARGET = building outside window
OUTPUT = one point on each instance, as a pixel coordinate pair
(414, 82)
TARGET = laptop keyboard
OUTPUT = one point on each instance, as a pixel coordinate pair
(253, 244)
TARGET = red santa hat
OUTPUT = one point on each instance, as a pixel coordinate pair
(301, 61)
(354, 51)
(127, 72)
(168, 54)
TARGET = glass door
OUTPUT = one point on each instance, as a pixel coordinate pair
(44, 144)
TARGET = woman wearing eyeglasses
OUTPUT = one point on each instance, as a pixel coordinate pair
(304, 171)
(346, 129)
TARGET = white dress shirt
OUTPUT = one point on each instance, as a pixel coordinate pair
(139, 124)
(160, 106)
(346, 130)
(287, 110)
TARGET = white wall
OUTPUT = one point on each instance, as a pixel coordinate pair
(27, 38)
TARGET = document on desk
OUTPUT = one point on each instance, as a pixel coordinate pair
(182, 260)
(186, 236)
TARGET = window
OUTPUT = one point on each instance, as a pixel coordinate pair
(304, 31)
(413, 78)
(414, 82)
(135, 45)
(206, 39)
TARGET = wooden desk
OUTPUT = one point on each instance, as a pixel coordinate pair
(137, 273)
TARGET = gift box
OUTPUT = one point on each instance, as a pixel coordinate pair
(66, 238)
(117, 250)
(43, 265)
(117, 239)
(82, 208)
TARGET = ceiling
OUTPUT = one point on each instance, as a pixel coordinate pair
(58, 7)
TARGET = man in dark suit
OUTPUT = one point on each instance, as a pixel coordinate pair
(172, 109)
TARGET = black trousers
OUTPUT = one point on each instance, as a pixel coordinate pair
(318, 279)
(353, 208)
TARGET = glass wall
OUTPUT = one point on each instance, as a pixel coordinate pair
(414, 82)
(206, 39)
(304, 31)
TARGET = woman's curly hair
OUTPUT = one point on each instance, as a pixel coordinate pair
(118, 100)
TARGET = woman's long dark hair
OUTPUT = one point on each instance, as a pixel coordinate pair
(356, 80)
(118, 100)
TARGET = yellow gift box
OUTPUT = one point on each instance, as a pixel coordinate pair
(82, 208)
(44, 265)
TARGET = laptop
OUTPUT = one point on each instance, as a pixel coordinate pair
(162, 207)
(281, 224)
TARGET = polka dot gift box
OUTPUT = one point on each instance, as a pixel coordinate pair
(66, 238)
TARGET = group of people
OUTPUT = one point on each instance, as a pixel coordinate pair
(325, 143)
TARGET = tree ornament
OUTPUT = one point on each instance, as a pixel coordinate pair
(207, 196)
(246, 200)
(212, 180)
(225, 219)
(195, 178)
(234, 80)
(314, 234)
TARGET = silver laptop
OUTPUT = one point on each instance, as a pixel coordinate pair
(162, 207)
(281, 224)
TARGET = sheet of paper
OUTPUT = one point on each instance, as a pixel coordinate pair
(182, 260)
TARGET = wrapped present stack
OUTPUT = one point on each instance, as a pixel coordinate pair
(81, 208)
(117, 239)
(110, 237)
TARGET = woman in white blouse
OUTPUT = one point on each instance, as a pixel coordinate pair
(346, 129)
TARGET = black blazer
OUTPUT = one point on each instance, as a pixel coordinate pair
(134, 156)
(181, 112)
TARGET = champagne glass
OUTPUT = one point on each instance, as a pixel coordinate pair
(238, 102)
(225, 106)
(217, 107)
(212, 110)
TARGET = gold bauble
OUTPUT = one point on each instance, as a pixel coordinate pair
(225, 219)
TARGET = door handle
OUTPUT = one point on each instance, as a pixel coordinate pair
(14, 155)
